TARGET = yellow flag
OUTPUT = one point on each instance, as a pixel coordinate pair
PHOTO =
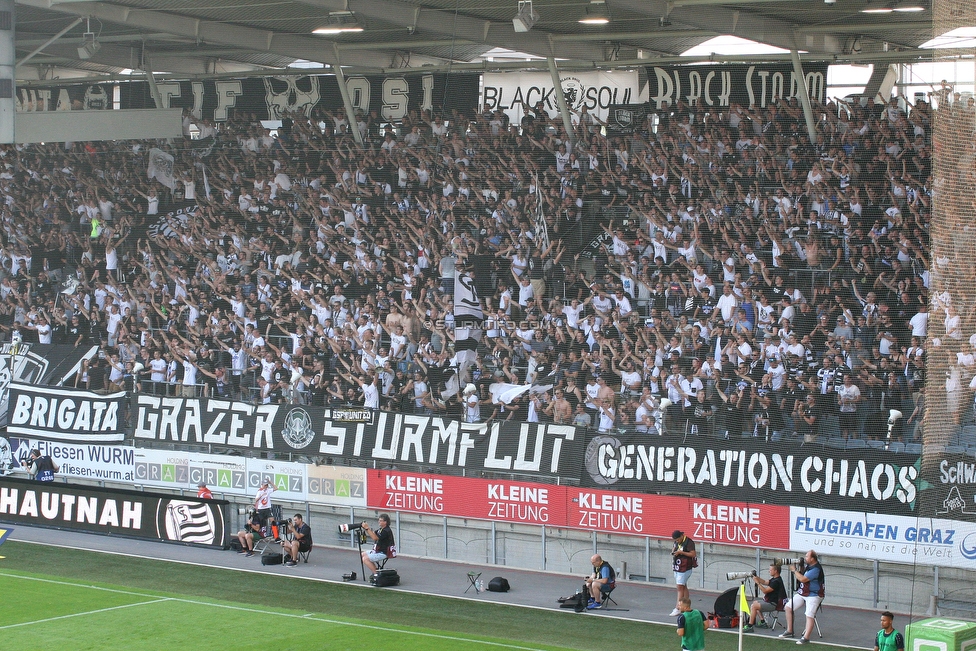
(743, 603)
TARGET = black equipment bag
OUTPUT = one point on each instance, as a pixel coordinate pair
(577, 602)
(499, 584)
(726, 613)
(235, 545)
(384, 578)
(271, 559)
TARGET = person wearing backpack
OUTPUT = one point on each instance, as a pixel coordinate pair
(42, 467)
(810, 576)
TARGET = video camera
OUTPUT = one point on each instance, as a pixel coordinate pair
(352, 526)
(788, 561)
(739, 576)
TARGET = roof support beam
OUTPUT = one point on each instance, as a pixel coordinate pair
(259, 40)
(40, 48)
(462, 27)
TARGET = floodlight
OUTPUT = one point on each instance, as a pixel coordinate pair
(526, 16)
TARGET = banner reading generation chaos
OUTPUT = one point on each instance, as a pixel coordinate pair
(752, 470)
(523, 448)
(722, 85)
(110, 511)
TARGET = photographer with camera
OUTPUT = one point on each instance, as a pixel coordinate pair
(774, 597)
(382, 543)
(684, 559)
(601, 582)
(809, 575)
(250, 534)
(301, 539)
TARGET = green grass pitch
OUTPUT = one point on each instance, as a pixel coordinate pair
(56, 598)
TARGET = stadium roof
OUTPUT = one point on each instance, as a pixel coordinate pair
(211, 37)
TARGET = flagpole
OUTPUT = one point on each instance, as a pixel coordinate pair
(743, 611)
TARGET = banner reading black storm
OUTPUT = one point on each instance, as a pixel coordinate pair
(109, 511)
(524, 448)
(752, 470)
(722, 85)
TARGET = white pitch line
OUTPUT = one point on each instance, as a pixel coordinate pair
(306, 617)
(90, 612)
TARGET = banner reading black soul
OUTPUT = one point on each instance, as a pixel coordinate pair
(751, 470)
(523, 448)
(722, 85)
(108, 511)
(271, 98)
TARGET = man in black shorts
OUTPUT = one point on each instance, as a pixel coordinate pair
(300, 542)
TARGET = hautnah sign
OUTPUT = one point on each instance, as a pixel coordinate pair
(65, 414)
(117, 512)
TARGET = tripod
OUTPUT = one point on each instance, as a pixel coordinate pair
(360, 539)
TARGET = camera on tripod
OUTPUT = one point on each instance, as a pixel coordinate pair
(739, 576)
(788, 561)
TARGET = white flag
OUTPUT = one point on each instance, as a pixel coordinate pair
(161, 167)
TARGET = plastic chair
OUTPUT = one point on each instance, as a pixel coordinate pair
(913, 448)
(896, 446)
(856, 444)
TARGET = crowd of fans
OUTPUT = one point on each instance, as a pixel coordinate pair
(755, 282)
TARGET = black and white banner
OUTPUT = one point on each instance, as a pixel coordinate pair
(39, 364)
(722, 85)
(65, 414)
(271, 98)
(752, 470)
(596, 91)
(440, 443)
(625, 119)
(108, 511)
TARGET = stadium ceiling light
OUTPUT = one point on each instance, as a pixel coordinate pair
(889, 6)
(596, 13)
(89, 43)
(340, 22)
(526, 16)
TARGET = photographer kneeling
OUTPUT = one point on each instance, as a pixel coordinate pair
(774, 597)
(382, 543)
(301, 542)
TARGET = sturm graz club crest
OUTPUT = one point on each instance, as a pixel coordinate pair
(298, 431)
(591, 460)
(189, 522)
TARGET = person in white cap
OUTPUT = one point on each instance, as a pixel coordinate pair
(472, 404)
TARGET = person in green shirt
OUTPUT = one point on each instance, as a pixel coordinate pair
(691, 626)
(888, 639)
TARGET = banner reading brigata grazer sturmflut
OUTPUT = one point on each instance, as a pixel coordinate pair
(753, 470)
(114, 512)
(65, 414)
(522, 448)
